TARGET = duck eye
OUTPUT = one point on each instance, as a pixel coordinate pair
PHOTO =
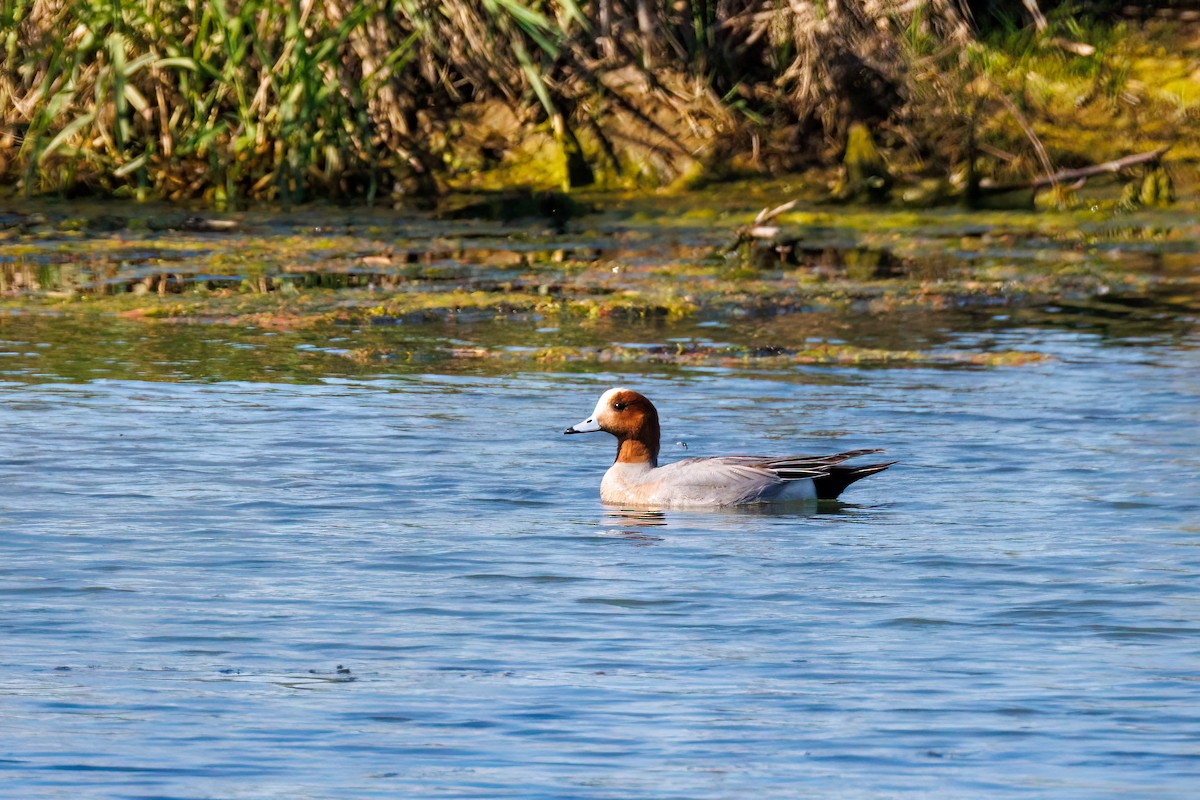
(619, 406)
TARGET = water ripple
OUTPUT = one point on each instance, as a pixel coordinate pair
(251, 590)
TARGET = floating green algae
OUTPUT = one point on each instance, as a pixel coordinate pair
(648, 266)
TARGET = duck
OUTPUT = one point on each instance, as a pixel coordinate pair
(635, 478)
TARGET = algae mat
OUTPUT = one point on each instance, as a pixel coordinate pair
(663, 281)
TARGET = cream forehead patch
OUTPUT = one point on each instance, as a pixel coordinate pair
(605, 398)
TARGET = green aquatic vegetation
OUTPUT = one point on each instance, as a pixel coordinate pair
(849, 270)
(693, 355)
(660, 303)
(453, 301)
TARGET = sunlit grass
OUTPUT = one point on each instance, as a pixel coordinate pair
(232, 102)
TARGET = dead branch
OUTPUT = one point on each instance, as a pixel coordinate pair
(1081, 174)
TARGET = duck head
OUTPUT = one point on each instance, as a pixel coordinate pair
(630, 417)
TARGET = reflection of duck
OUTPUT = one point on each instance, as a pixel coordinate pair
(635, 479)
(634, 525)
(637, 518)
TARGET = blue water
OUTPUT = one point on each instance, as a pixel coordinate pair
(405, 586)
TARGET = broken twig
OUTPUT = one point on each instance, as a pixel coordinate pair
(1081, 174)
(758, 229)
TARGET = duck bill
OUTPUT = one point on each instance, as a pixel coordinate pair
(589, 425)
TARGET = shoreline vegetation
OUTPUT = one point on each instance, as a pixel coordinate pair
(402, 102)
(580, 184)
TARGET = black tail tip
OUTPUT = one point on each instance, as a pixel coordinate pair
(833, 484)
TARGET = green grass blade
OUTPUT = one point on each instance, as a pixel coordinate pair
(71, 128)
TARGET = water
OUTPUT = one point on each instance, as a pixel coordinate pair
(404, 585)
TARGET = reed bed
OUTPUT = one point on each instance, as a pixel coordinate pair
(236, 100)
